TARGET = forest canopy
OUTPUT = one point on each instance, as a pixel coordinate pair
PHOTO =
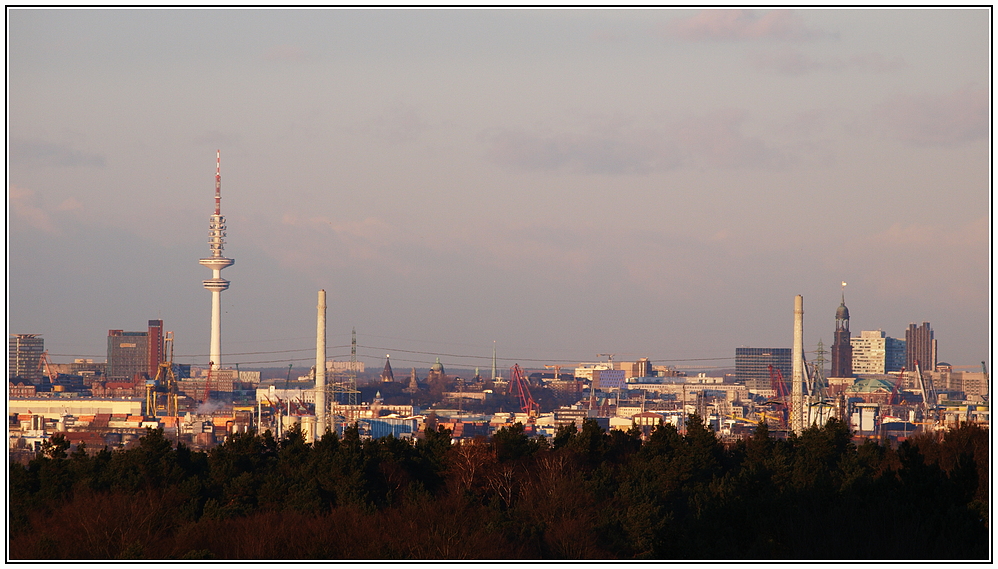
(588, 494)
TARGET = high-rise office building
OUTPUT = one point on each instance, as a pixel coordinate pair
(921, 346)
(156, 347)
(752, 365)
(24, 353)
(874, 352)
(131, 354)
(841, 344)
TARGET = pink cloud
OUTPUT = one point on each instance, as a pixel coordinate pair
(22, 205)
(936, 120)
(728, 25)
(70, 204)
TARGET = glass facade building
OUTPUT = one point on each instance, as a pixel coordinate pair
(24, 353)
(752, 365)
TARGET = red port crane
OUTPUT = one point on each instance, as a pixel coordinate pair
(207, 382)
(782, 393)
(778, 384)
(519, 382)
(43, 361)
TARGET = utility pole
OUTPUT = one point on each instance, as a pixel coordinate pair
(352, 398)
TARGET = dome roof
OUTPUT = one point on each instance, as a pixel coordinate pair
(437, 366)
(870, 385)
(842, 313)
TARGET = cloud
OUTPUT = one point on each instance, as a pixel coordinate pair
(791, 62)
(899, 258)
(876, 62)
(70, 204)
(39, 153)
(708, 141)
(219, 139)
(786, 62)
(609, 152)
(400, 124)
(716, 141)
(537, 247)
(22, 205)
(286, 53)
(934, 120)
(318, 241)
(740, 25)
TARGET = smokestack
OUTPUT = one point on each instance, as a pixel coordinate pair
(320, 366)
(797, 388)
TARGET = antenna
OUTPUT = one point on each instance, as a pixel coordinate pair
(218, 183)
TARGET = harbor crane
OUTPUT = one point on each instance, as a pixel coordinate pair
(166, 380)
(519, 382)
(207, 382)
(44, 363)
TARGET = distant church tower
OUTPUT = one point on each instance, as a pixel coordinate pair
(842, 345)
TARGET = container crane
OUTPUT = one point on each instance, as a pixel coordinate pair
(165, 379)
(557, 371)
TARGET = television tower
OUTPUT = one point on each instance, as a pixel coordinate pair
(216, 262)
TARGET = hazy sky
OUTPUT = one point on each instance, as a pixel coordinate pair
(650, 183)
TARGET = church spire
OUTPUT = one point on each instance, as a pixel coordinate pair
(842, 344)
(387, 375)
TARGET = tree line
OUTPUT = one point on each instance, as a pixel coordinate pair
(588, 494)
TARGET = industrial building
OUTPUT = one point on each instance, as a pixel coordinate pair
(972, 384)
(132, 355)
(57, 407)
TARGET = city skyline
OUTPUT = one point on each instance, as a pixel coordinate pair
(653, 183)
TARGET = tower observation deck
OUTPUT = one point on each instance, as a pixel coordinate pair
(216, 261)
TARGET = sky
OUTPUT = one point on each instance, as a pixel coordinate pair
(557, 183)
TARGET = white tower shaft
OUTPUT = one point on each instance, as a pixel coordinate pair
(215, 351)
(320, 367)
(797, 387)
